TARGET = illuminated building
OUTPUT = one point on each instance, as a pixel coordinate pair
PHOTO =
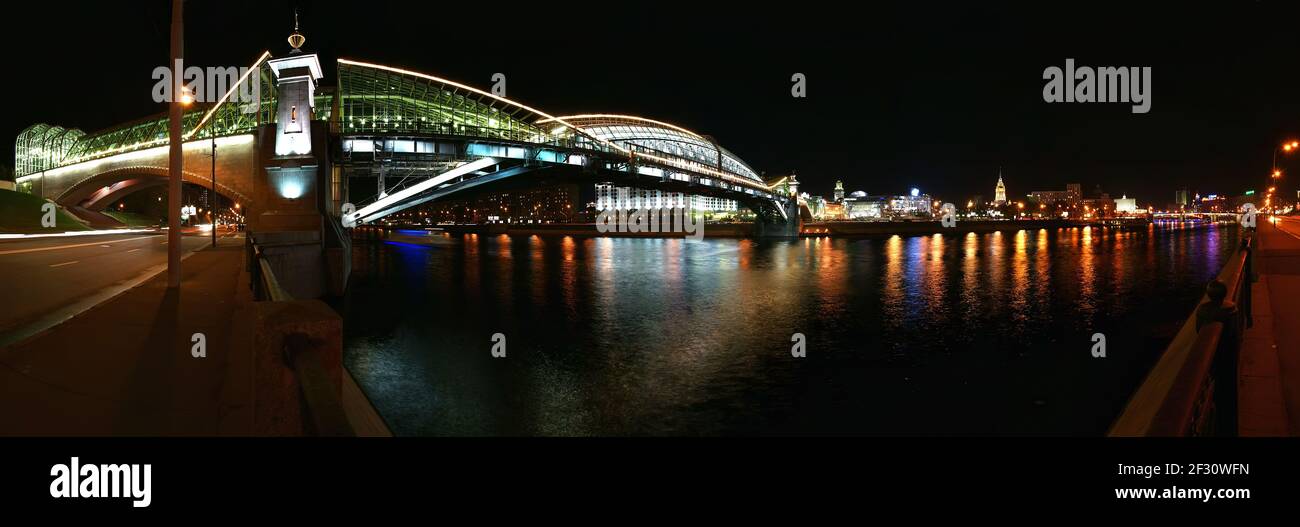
(860, 206)
(834, 211)
(1071, 196)
(609, 196)
(914, 205)
(1125, 205)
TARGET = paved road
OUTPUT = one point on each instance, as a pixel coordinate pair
(45, 281)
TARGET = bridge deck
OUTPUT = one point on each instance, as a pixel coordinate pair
(1269, 373)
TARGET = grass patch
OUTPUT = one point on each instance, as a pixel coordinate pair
(22, 213)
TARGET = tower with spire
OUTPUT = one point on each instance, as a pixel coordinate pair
(1000, 191)
(296, 76)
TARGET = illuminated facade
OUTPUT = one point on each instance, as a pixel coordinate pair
(915, 205)
(609, 196)
(1125, 205)
(1071, 196)
(1000, 191)
(865, 207)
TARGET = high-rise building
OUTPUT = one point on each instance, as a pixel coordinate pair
(1071, 196)
(1000, 191)
(839, 191)
(1182, 198)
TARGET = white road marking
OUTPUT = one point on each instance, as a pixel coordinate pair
(102, 245)
(38, 249)
(64, 263)
(133, 250)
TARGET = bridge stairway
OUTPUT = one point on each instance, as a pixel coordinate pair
(95, 219)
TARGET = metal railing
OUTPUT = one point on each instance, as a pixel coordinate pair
(322, 406)
(1192, 390)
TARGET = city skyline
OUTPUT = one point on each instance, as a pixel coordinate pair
(971, 237)
(926, 137)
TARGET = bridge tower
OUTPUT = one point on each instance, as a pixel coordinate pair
(292, 168)
(294, 221)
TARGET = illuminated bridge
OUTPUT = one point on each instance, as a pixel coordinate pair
(392, 124)
(287, 153)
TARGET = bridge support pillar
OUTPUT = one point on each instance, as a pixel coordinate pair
(295, 222)
(777, 227)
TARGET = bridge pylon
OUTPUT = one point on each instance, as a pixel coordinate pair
(295, 223)
(774, 224)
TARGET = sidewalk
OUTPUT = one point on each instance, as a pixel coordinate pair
(125, 366)
(1269, 372)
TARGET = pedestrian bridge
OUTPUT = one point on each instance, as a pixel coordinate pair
(440, 136)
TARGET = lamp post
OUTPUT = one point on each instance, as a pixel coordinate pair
(1286, 148)
(175, 157)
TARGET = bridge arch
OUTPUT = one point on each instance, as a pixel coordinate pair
(97, 191)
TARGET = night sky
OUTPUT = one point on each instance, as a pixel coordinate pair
(933, 97)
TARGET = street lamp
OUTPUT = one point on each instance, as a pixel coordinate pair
(1286, 148)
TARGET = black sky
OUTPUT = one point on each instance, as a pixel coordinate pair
(933, 96)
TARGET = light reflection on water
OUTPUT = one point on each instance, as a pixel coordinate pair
(962, 333)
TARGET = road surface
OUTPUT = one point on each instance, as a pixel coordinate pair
(45, 281)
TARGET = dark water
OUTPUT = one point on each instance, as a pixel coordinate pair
(957, 334)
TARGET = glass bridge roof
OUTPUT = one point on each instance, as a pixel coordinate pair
(663, 138)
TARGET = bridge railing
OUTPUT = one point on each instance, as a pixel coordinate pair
(425, 128)
(1192, 390)
(301, 353)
